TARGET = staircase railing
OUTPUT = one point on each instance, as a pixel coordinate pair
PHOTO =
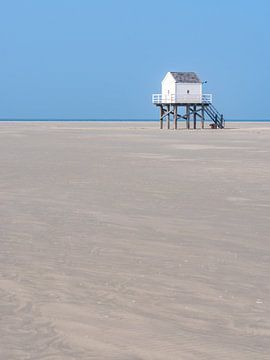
(215, 116)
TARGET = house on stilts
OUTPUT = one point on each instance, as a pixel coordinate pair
(182, 98)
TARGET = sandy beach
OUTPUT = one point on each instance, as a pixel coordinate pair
(121, 241)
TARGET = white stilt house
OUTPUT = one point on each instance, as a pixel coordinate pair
(184, 89)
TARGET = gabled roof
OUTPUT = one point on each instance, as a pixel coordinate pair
(185, 77)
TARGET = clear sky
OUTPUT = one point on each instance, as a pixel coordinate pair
(104, 58)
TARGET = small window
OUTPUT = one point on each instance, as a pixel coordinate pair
(187, 91)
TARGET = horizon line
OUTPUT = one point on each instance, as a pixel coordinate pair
(115, 119)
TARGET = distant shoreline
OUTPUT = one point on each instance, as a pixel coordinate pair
(109, 120)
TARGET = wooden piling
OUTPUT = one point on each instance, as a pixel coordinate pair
(175, 117)
(203, 117)
(188, 117)
(161, 116)
(169, 117)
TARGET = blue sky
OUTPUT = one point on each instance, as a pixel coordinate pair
(103, 59)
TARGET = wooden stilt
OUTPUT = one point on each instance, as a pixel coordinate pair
(169, 117)
(175, 117)
(188, 116)
(203, 117)
(161, 116)
(194, 117)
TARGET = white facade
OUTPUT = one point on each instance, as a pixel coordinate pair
(168, 86)
(180, 92)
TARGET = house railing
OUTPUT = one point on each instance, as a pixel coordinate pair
(182, 99)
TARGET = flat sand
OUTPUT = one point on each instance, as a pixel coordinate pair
(120, 241)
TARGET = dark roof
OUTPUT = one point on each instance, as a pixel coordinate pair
(185, 77)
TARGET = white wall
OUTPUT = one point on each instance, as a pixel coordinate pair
(188, 92)
(168, 88)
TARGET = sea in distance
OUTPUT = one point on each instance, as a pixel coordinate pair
(112, 120)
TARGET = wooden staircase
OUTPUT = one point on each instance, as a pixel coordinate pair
(214, 115)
